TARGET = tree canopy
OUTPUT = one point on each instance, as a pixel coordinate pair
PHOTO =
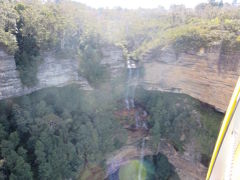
(70, 29)
(56, 133)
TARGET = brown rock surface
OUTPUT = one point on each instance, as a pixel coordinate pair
(210, 77)
(185, 168)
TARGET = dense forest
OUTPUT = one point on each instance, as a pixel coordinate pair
(60, 133)
(172, 115)
(71, 29)
(57, 133)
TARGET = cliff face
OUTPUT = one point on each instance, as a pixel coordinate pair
(51, 72)
(209, 76)
(113, 58)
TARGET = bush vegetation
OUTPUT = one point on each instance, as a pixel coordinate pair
(161, 168)
(181, 119)
(27, 55)
(66, 28)
(56, 133)
(90, 61)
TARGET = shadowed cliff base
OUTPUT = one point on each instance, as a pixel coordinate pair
(90, 126)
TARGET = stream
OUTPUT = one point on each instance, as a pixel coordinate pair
(141, 160)
(115, 168)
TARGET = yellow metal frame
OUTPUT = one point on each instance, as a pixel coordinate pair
(225, 123)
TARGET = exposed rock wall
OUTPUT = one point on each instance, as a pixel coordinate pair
(113, 58)
(187, 169)
(51, 72)
(209, 77)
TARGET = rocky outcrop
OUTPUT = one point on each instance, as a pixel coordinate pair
(185, 168)
(113, 58)
(208, 76)
(51, 72)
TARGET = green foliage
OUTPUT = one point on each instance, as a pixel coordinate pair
(61, 27)
(8, 18)
(55, 133)
(153, 167)
(180, 119)
(26, 28)
(27, 65)
(162, 169)
(15, 165)
(189, 42)
(90, 63)
(70, 29)
(130, 171)
(181, 28)
(27, 55)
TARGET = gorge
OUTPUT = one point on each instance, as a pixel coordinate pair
(113, 94)
(203, 77)
(62, 72)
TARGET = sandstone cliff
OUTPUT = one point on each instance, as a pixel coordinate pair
(113, 58)
(51, 72)
(208, 76)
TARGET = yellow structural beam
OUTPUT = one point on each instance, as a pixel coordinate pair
(225, 124)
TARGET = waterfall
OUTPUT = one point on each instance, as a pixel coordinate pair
(140, 116)
(132, 82)
(110, 169)
(128, 89)
(135, 79)
(145, 126)
(137, 119)
(141, 160)
(113, 171)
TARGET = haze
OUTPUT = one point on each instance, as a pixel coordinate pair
(134, 4)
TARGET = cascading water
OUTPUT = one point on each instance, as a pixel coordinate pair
(137, 120)
(141, 160)
(113, 175)
(132, 82)
(139, 116)
(128, 89)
